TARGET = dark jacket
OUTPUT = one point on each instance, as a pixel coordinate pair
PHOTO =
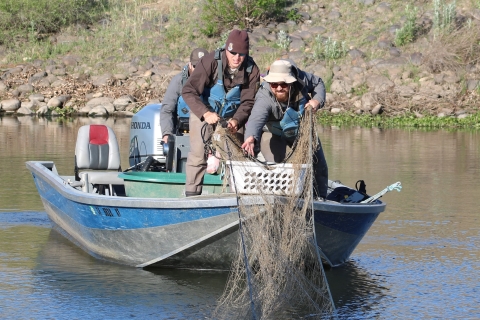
(205, 75)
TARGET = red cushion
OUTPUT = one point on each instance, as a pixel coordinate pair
(98, 134)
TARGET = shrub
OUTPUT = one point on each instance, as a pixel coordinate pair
(283, 40)
(223, 38)
(328, 49)
(30, 19)
(220, 15)
(443, 16)
(293, 15)
(407, 33)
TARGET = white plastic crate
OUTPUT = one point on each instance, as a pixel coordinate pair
(254, 178)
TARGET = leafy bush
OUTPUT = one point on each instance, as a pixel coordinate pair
(328, 49)
(293, 15)
(223, 38)
(220, 15)
(443, 16)
(407, 33)
(29, 19)
(283, 40)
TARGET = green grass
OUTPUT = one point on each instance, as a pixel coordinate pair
(408, 32)
(30, 20)
(124, 36)
(121, 39)
(404, 121)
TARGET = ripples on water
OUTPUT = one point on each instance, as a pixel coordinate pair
(420, 259)
(42, 275)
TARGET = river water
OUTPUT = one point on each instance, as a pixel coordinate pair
(420, 259)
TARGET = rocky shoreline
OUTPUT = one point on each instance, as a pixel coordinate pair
(394, 84)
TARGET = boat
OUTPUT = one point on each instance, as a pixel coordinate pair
(140, 217)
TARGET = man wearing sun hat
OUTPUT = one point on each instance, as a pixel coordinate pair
(173, 103)
(275, 118)
(223, 86)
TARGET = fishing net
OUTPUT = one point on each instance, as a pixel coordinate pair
(278, 272)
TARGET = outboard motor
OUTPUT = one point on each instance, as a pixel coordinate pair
(146, 136)
(146, 141)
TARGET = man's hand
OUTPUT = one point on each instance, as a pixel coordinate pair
(313, 104)
(211, 117)
(248, 145)
(232, 125)
(165, 138)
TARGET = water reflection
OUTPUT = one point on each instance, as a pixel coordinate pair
(420, 259)
(356, 292)
(64, 272)
(31, 138)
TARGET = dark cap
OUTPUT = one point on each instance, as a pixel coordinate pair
(238, 42)
(196, 55)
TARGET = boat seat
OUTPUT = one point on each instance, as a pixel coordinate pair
(97, 155)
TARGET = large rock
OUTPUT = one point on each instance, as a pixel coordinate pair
(10, 105)
(84, 110)
(43, 110)
(122, 102)
(98, 111)
(405, 91)
(54, 103)
(25, 88)
(37, 97)
(341, 86)
(24, 111)
(37, 77)
(101, 80)
(27, 104)
(99, 102)
(70, 60)
(379, 83)
(368, 101)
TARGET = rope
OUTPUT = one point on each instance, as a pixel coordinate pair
(240, 229)
(317, 250)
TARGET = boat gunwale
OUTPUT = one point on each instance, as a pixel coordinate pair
(204, 201)
(75, 195)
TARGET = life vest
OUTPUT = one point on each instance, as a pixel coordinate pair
(221, 102)
(289, 123)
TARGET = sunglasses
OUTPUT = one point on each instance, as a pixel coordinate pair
(235, 53)
(283, 85)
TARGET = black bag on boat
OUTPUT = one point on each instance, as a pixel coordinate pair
(347, 195)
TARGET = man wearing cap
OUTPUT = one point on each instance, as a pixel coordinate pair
(275, 118)
(172, 101)
(223, 86)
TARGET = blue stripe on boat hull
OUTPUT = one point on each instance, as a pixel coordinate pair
(200, 232)
(91, 216)
(138, 246)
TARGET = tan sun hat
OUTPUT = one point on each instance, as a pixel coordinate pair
(280, 71)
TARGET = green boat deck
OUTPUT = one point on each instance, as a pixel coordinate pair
(166, 184)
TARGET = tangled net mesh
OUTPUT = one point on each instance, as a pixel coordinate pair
(278, 271)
